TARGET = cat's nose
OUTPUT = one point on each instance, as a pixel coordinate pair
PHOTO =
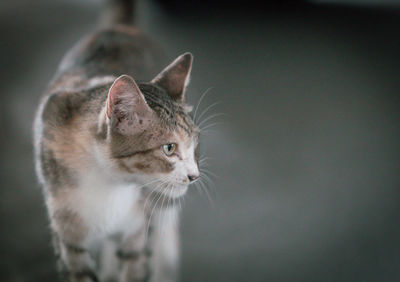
(193, 177)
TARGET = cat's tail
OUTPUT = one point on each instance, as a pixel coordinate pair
(118, 12)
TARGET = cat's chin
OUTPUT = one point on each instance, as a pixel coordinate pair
(179, 191)
(174, 192)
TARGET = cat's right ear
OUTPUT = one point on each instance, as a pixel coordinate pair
(127, 108)
(175, 77)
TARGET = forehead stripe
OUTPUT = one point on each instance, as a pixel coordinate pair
(131, 154)
(185, 128)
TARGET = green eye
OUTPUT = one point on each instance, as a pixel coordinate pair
(169, 149)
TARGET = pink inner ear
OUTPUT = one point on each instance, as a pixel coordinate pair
(125, 98)
(110, 101)
(118, 89)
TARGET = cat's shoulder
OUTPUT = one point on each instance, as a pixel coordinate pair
(61, 107)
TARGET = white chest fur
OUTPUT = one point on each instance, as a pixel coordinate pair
(106, 206)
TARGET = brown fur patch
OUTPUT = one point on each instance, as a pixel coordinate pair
(142, 166)
(69, 226)
(55, 171)
(146, 162)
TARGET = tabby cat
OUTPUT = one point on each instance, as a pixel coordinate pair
(114, 146)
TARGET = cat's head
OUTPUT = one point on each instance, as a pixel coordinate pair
(150, 133)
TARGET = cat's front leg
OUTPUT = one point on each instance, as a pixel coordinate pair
(165, 242)
(70, 236)
(79, 264)
(133, 254)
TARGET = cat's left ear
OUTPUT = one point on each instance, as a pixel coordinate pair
(175, 77)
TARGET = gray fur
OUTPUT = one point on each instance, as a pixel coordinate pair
(86, 163)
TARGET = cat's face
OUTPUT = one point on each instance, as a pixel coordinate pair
(151, 135)
(162, 153)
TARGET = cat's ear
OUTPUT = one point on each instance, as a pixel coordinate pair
(175, 77)
(126, 106)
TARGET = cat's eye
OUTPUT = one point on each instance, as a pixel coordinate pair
(169, 148)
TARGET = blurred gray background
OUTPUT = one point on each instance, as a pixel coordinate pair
(306, 159)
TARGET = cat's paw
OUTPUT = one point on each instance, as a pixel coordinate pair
(84, 276)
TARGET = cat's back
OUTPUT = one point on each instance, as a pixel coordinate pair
(107, 54)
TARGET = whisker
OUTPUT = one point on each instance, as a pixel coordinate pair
(174, 202)
(206, 191)
(206, 158)
(207, 180)
(148, 198)
(162, 212)
(198, 188)
(151, 214)
(204, 163)
(150, 182)
(207, 109)
(151, 200)
(210, 125)
(209, 172)
(208, 131)
(162, 182)
(180, 205)
(210, 186)
(199, 102)
(169, 209)
(211, 117)
(201, 189)
(183, 200)
(169, 198)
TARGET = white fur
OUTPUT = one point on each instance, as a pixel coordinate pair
(105, 207)
(187, 165)
(166, 248)
(189, 162)
(106, 202)
(108, 262)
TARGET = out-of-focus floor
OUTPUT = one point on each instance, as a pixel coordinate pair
(307, 158)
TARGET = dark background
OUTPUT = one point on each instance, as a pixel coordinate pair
(307, 158)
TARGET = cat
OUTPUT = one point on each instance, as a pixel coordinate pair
(114, 146)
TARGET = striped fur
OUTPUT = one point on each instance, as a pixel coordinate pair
(99, 157)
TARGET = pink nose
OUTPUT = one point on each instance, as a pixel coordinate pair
(192, 177)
